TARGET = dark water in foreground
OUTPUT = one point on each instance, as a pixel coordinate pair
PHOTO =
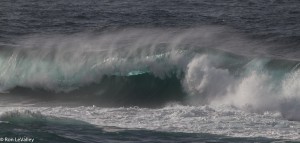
(84, 134)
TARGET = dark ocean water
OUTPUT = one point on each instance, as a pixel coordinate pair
(150, 71)
(272, 19)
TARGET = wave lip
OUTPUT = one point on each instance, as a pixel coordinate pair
(62, 63)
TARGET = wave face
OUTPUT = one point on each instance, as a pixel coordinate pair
(205, 65)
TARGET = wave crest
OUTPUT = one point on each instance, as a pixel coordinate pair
(189, 62)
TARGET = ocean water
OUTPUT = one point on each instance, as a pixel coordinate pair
(149, 71)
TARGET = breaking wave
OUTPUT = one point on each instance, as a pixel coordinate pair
(206, 65)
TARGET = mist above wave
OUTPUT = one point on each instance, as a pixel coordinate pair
(70, 61)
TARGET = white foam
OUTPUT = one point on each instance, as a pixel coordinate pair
(203, 79)
(221, 120)
(255, 91)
